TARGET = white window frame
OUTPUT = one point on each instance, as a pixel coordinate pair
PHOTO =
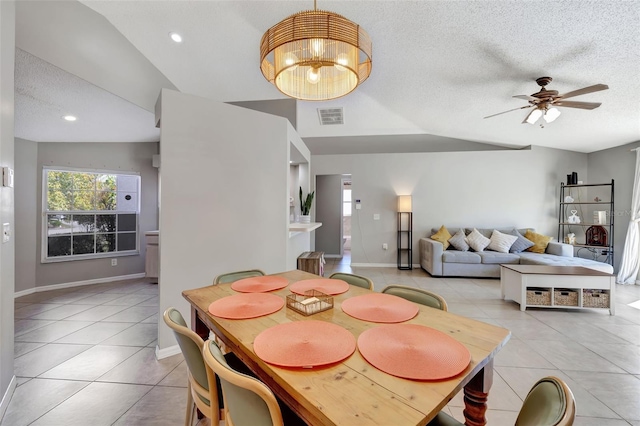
(45, 212)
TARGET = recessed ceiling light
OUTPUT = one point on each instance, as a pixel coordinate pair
(70, 117)
(176, 37)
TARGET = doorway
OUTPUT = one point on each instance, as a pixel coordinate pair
(333, 210)
(346, 218)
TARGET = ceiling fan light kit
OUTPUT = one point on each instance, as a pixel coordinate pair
(315, 55)
(545, 102)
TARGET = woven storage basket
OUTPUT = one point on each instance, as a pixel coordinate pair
(595, 298)
(565, 297)
(539, 296)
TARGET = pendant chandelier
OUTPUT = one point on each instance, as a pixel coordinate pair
(315, 55)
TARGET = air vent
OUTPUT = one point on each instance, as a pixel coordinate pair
(330, 116)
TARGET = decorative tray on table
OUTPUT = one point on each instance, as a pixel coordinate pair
(309, 303)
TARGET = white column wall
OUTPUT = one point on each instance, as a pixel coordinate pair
(224, 195)
(7, 250)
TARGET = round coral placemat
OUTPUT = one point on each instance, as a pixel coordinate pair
(304, 344)
(246, 305)
(379, 307)
(413, 351)
(260, 284)
(325, 285)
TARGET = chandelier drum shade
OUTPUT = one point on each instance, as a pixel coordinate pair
(315, 55)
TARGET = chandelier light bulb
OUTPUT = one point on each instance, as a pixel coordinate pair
(317, 47)
(290, 61)
(313, 75)
(343, 61)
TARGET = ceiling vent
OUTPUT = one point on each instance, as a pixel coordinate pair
(330, 116)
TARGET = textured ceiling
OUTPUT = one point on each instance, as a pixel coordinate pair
(45, 93)
(439, 67)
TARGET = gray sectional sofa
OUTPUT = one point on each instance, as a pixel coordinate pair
(453, 263)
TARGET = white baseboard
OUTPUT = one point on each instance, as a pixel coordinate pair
(78, 284)
(167, 352)
(381, 265)
(6, 398)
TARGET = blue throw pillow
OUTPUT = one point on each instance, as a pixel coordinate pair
(521, 243)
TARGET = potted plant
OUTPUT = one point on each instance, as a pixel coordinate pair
(305, 207)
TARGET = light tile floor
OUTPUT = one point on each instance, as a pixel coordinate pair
(85, 355)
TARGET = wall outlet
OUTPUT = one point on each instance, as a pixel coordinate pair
(376, 216)
(114, 262)
(385, 246)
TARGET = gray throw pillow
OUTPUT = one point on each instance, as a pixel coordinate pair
(521, 243)
(458, 241)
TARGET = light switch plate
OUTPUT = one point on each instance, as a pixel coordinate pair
(7, 177)
(6, 232)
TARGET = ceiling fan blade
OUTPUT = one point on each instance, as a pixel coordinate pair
(504, 112)
(527, 98)
(584, 91)
(573, 104)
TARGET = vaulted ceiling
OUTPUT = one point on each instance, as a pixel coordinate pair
(439, 67)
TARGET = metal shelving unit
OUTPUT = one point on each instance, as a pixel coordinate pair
(601, 252)
(405, 240)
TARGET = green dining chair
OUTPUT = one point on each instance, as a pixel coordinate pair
(550, 402)
(247, 401)
(417, 295)
(230, 277)
(201, 389)
(353, 279)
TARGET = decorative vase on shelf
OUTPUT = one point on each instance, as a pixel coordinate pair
(574, 218)
(305, 218)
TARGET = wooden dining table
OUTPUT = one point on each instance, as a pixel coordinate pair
(353, 392)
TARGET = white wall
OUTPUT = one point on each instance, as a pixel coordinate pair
(224, 195)
(126, 157)
(619, 164)
(27, 217)
(481, 189)
(7, 250)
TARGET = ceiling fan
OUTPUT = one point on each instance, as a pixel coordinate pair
(545, 101)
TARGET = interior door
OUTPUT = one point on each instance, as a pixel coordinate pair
(329, 213)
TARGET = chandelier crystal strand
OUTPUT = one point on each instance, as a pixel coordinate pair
(315, 55)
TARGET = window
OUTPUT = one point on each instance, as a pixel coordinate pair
(346, 202)
(89, 214)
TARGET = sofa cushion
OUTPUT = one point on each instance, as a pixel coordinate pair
(455, 256)
(442, 236)
(540, 242)
(501, 242)
(458, 241)
(521, 243)
(492, 257)
(477, 241)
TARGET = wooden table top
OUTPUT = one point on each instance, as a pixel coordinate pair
(353, 392)
(556, 270)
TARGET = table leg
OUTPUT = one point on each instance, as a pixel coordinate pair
(476, 393)
(198, 326)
